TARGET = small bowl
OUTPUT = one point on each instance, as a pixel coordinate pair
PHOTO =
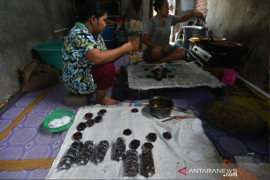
(161, 107)
(58, 113)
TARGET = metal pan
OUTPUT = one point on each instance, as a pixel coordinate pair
(160, 106)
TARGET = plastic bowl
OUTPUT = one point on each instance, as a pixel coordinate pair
(59, 113)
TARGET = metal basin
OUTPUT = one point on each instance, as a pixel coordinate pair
(161, 107)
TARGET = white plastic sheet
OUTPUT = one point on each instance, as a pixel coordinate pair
(185, 149)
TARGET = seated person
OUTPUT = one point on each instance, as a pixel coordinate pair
(157, 32)
(87, 64)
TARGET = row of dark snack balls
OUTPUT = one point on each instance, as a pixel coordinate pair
(81, 153)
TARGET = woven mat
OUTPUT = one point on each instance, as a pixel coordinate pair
(185, 149)
(187, 75)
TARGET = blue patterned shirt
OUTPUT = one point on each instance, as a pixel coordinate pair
(77, 68)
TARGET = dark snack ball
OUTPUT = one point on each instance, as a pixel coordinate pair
(134, 144)
(152, 137)
(158, 78)
(163, 75)
(148, 76)
(132, 163)
(98, 119)
(120, 149)
(77, 145)
(148, 145)
(88, 115)
(127, 132)
(167, 135)
(101, 150)
(134, 110)
(77, 136)
(164, 70)
(147, 163)
(72, 152)
(90, 122)
(81, 126)
(102, 112)
(66, 162)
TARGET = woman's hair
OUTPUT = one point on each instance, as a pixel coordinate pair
(89, 8)
(158, 4)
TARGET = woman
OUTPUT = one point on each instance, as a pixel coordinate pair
(87, 64)
(157, 34)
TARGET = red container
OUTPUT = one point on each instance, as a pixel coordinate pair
(229, 76)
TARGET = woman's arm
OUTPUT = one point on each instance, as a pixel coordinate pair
(188, 16)
(99, 57)
(146, 40)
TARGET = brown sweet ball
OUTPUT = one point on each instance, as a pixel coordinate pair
(88, 116)
(102, 112)
(134, 110)
(152, 137)
(167, 135)
(77, 145)
(148, 145)
(98, 119)
(77, 136)
(134, 144)
(90, 122)
(127, 132)
(81, 126)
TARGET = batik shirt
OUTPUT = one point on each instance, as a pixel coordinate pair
(77, 69)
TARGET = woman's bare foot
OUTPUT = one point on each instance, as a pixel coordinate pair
(107, 101)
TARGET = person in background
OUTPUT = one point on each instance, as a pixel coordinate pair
(87, 64)
(156, 34)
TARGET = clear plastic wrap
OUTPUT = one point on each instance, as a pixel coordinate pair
(131, 163)
(101, 150)
(85, 153)
(147, 163)
(120, 149)
(66, 162)
(69, 158)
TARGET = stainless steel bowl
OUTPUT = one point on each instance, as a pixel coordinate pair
(161, 107)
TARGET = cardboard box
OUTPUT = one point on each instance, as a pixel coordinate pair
(134, 27)
(135, 40)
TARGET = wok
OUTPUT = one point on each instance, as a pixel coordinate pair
(220, 44)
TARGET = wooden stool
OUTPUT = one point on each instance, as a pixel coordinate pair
(76, 99)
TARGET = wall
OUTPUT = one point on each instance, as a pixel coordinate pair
(25, 24)
(187, 5)
(247, 22)
(201, 6)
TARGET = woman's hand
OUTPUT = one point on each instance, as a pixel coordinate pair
(127, 47)
(199, 16)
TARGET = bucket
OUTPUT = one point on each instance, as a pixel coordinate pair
(108, 34)
(229, 76)
(51, 53)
